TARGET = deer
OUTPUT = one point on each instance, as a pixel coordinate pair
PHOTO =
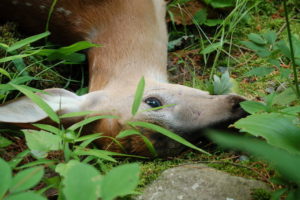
(133, 35)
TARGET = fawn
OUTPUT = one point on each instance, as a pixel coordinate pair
(134, 38)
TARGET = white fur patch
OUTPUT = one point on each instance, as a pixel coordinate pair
(64, 11)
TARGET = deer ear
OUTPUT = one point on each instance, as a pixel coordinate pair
(23, 110)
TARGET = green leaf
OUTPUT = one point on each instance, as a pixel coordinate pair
(4, 142)
(286, 97)
(283, 48)
(222, 3)
(26, 179)
(291, 110)
(81, 181)
(88, 137)
(6, 177)
(65, 52)
(27, 41)
(5, 73)
(200, 17)
(253, 106)
(11, 58)
(260, 71)
(30, 195)
(223, 85)
(167, 133)
(120, 181)
(41, 142)
(3, 46)
(39, 101)
(270, 37)
(212, 47)
(256, 38)
(49, 128)
(286, 163)
(138, 96)
(89, 120)
(94, 152)
(128, 132)
(279, 130)
(76, 114)
(18, 158)
(213, 22)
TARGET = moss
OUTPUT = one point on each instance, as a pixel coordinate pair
(260, 194)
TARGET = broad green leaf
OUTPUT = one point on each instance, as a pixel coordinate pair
(286, 163)
(76, 114)
(283, 48)
(253, 106)
(27, 41)
(213, 22)
(26, 179)
(260, 71)
(5, 177)
(256, 38)
(94, 152)
(212, 47)
(279, 130)
(270, 37)
(120, 181)
(292, 110)
(286, 97)
(39, 101)
(30, 195)
(278, 193)
(200, 17)
(4, 142)
(253, 46)
(167, 133)
(5, 73)
(81, 181)
(89, 120)
(41, 142)
(138, 96)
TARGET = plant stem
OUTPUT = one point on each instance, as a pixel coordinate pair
(292, 48)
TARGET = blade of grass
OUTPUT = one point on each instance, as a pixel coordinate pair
(138, 96)
(167, 133)
(292, 49)
(27, 41)
(39, 101)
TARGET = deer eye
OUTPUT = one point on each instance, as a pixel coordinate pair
(153, 102)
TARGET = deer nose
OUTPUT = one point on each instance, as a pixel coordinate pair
(234, 102)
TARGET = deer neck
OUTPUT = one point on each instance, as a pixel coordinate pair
(132, 46)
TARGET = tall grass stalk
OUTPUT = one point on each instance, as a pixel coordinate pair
(292, 48)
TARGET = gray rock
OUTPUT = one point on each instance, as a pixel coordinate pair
(199, 182)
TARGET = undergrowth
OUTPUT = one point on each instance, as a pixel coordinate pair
(238, 46)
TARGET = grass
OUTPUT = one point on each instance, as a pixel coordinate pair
(192, 69)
